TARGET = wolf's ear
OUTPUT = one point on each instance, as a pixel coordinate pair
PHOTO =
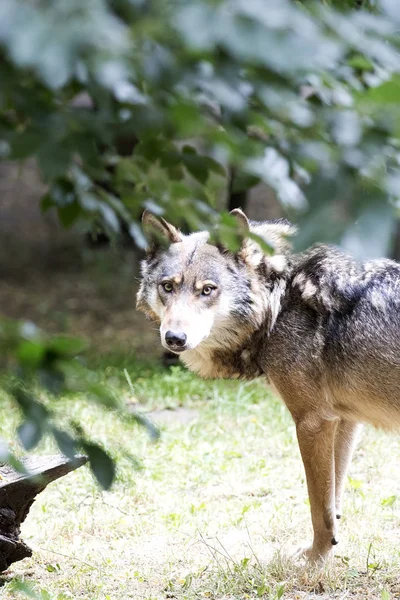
(241, 219)
(274, 233)
(158, 231)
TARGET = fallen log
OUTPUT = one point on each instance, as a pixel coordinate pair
(17, 494)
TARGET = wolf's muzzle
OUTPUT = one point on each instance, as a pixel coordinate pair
(176, 340)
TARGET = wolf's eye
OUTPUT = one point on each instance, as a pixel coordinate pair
(207, 289)
(167, 287)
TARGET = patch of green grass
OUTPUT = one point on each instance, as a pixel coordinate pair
(209, 511)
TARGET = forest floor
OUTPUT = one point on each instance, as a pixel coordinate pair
(212, 510)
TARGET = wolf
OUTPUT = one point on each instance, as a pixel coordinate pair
(323, 329)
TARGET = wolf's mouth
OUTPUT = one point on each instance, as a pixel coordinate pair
(177, 349)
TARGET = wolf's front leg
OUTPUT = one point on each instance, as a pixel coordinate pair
(345, 442)
(316, 439)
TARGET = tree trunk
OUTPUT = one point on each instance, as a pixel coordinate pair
(17, 494)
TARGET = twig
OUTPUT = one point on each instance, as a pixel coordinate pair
(251, 547)
(116, 508)
(71, 558)
(214, 552)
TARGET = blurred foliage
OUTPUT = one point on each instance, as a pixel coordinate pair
(302, 95)
(34, 363)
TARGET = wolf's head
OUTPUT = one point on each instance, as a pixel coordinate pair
(204, 295)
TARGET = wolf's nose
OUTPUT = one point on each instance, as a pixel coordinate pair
(175, 338)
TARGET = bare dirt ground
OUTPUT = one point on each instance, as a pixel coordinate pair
(94, 300)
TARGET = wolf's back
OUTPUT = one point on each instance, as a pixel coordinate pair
(341, 327)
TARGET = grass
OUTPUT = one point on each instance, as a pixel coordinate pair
(209, 511)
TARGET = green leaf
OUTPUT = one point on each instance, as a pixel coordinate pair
(243, 182)
(356, 484)
(228, 233)
(25, 144)
(100, 208)
(65, 442)
(62, 192)
(267, 248)
(101, 464)
(67, 346)
(46, 203)
(262, 588)
(30, 433)
(361, 62)
(386, 93)
(189, 149)
(51, 568)
(62, 195)
(196, 167)
(280, 591)
(142, 420)
(30, 407)
(102, 395)
(7, 457)
(30, 354)
(25, 588)
(200, 166)
(16, 464)
(389, 501)
(151, 148)
(69, 214)
(52, 380)
(54, 160)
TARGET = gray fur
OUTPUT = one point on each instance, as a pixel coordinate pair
(323, 328)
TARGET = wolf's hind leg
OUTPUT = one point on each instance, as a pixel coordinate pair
(345, 441)
(316, 437)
